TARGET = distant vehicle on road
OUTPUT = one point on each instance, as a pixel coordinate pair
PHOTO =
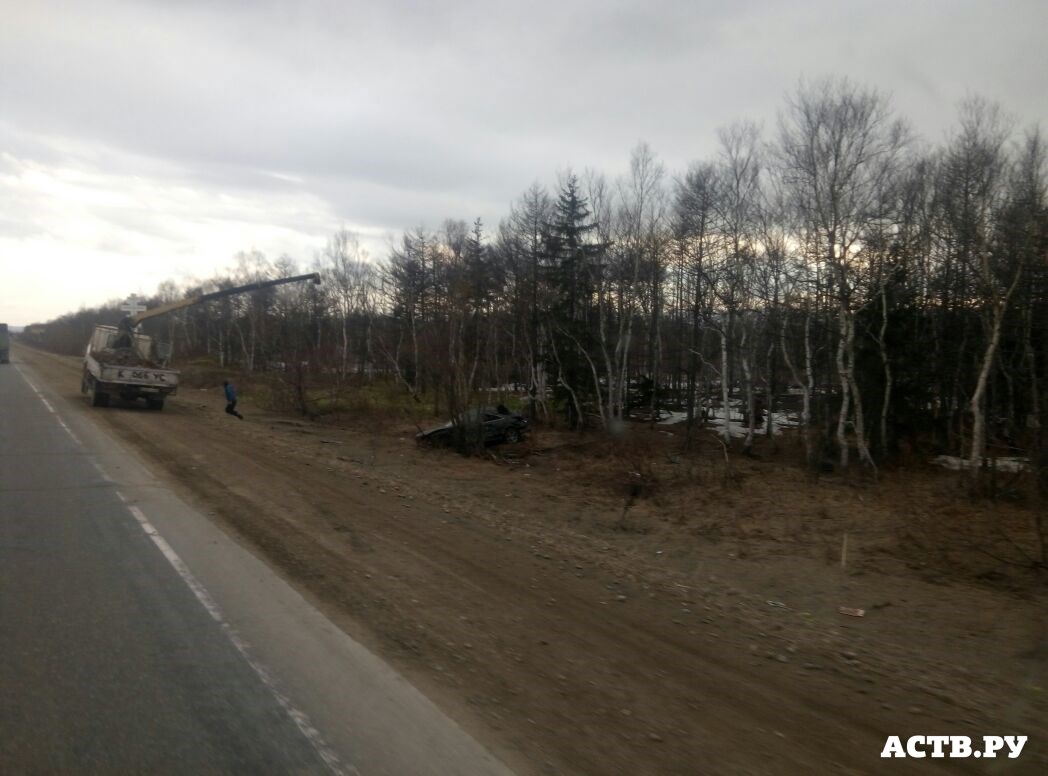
(5, 345)
(497, 424)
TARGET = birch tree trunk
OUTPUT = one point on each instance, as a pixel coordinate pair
(345, 344)
(887, 372)
(860, 423)
(845, 382)
(978, 445)
(747, 375)
(725, 388)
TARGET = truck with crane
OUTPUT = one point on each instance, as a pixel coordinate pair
(120, 361)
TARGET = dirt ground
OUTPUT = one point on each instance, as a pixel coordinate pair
(592, 608)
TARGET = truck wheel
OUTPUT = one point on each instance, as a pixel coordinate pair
(155, 404)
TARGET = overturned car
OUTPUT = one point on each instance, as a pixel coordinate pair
(488, 425)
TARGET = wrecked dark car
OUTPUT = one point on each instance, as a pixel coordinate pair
(494, 424)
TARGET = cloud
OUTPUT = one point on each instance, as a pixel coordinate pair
(181, 129)
(89, 234)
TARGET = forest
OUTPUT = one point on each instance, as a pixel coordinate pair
(892, 293)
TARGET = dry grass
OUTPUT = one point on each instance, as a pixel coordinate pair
(912, 520)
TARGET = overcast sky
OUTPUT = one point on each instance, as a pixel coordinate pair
(141, 141)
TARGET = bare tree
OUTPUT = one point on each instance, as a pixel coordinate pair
(348, 270)
(739, 205)
(643, 239)
(839, 148)
(696, 235)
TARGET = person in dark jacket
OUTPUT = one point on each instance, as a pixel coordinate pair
(231, 398)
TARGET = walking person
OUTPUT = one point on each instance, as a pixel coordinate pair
(231, 398)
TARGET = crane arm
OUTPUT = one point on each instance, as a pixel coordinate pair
(132, 321)
(153, 312)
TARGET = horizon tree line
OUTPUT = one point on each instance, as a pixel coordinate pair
(898, 292)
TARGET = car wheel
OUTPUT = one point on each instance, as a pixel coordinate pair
(512, 435)
(98, 398)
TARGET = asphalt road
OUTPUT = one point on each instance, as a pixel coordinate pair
(135, 637)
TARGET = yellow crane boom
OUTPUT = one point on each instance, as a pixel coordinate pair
(130, 322)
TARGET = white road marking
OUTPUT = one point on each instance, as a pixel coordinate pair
(331, 760)
(48, 405)
(299, 717)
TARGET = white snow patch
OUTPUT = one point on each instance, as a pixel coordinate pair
(736, 428)
(672, 417)
(1005, 464)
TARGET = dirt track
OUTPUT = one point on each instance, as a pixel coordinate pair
(508, 596)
